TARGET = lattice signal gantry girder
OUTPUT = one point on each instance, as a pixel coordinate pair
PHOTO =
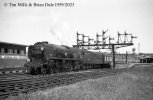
(101, 44)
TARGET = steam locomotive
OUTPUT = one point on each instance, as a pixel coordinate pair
(46, 58)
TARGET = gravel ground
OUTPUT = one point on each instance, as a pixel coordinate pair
(133, 85)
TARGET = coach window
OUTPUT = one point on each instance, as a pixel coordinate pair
(2, 50)
(108, 58)
(10, 51)
(18, 51)
(105, 58)
(5, 50)
(22, 52)
(15, 51)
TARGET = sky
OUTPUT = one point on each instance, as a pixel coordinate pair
(58, 25)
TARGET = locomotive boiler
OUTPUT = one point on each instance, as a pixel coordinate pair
(46, 58)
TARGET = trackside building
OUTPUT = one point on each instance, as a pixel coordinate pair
(12, 55)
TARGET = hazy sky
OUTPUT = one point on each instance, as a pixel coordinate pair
(27, 25)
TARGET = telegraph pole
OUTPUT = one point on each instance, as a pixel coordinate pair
(113, 53)
(126, 56)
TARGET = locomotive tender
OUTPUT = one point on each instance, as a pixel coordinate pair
(48, 58)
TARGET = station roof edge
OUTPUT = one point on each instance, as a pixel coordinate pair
(14, 44)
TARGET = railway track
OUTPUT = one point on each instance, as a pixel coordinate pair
(15, 83)
(12, 76)
(26, 84)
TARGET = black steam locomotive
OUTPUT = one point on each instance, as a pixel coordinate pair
(48, 58)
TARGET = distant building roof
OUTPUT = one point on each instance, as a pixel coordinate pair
(8, 43)
(147, 54)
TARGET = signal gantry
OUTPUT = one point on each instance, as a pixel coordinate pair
(85, 42)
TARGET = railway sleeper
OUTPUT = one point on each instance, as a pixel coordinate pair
(45, 87)
(41, 85)
(13, 81)
(8, 93)
(31, 90)
(15, 86)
